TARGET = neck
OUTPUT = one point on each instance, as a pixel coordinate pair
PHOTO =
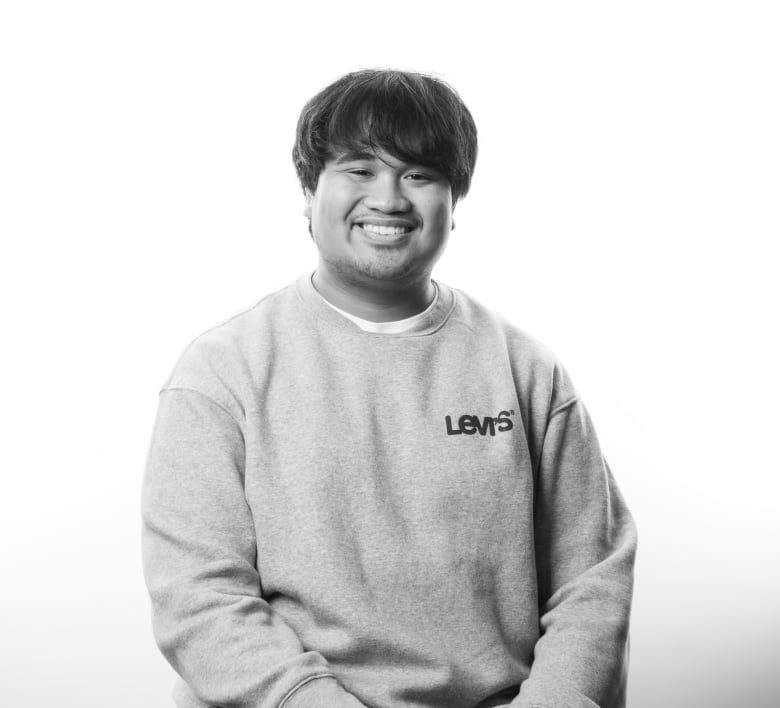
(388, 302)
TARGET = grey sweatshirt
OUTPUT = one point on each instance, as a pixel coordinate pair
(334, 518)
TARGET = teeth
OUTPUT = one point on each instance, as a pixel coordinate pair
(386, 230)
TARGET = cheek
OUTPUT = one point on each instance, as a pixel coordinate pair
(321, 211)
(330, 208)
(330, 227)
(330, 224)
(439, 214)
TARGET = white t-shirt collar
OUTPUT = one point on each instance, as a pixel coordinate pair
(396, 327)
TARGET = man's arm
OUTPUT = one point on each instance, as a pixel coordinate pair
(585, 548)
(199, 549)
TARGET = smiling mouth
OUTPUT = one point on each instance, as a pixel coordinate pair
(386, 230)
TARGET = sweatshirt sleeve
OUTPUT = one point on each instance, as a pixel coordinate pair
(199, 551)
(585, 548)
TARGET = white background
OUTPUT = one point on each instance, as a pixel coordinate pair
(624, 211)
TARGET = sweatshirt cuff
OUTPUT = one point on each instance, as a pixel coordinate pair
(320, 692)
(552, 696)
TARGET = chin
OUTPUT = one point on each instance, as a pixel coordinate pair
(358, 271)
(402, 273)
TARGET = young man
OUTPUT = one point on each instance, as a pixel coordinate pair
(368, 489)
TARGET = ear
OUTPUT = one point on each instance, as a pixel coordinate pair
(307, 206)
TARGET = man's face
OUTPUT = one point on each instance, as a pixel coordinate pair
(375, 218)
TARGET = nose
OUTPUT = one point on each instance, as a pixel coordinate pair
(386, 194)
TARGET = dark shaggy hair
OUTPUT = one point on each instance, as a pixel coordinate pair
(414, 117)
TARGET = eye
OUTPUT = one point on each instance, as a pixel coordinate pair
(418, 177)
(359, 172)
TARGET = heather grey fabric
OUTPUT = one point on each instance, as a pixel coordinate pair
(337, 518)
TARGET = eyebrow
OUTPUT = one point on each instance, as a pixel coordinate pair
(352, 156)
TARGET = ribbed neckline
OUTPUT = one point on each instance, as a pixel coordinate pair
(431, 323)
(396, 327)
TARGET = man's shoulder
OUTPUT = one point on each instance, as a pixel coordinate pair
(537, 370)
(484, 321)
(221, 352)
(252, 319)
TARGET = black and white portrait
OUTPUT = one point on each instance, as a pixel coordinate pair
(414, 355)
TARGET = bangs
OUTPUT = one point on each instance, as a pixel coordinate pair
(373, 121)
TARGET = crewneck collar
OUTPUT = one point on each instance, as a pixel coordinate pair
(429, 322)
(392, 327)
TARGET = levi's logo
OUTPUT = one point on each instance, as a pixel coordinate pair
(472, 424)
